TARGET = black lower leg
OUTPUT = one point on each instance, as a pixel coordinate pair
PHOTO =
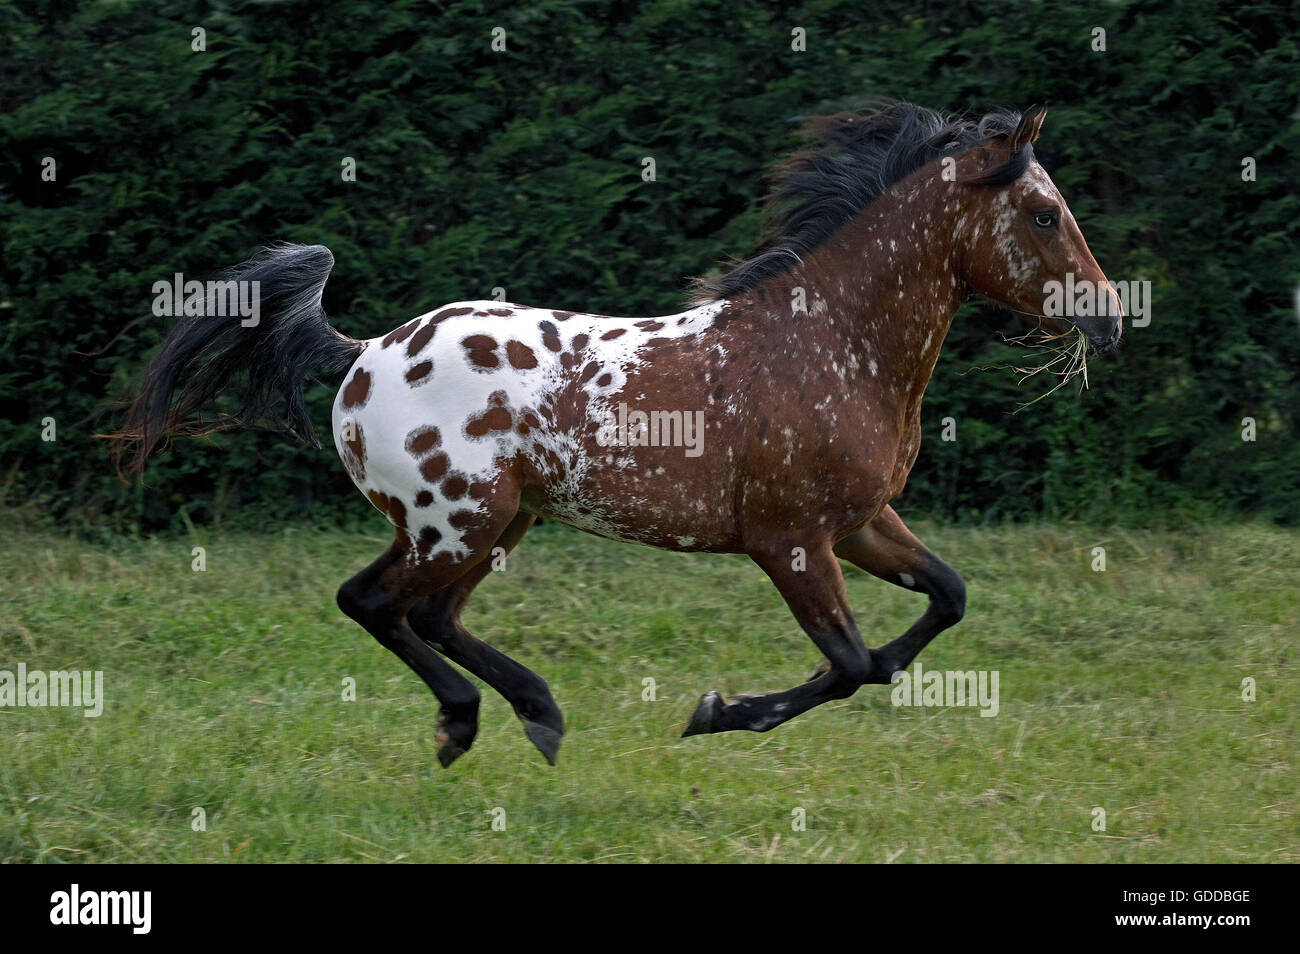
(365, 599)
(886, 549)
(436, 619)
(526, 691)
(816, 597)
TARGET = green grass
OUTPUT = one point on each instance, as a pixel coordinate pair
(1119, 690)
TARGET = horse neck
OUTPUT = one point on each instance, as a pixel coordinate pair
(882, 291)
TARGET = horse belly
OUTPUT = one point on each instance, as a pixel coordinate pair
(643, 498)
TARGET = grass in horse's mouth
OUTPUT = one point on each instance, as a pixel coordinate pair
(1066, 357)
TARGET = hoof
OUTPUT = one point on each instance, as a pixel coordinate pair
(702, 721)
(454, 740)
(545, 738)
(449, 752)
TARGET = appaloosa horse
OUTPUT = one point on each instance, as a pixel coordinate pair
(805, 365)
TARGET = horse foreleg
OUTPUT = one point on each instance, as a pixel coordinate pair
(815, 595)
(885, 548)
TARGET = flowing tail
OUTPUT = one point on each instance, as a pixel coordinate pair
(260, 365)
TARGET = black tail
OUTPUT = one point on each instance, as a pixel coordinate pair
(260, 365)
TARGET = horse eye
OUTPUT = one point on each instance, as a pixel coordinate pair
(1045, 219)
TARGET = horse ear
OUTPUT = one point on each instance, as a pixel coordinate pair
(1030, 123)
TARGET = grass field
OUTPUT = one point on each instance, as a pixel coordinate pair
(1119, 690)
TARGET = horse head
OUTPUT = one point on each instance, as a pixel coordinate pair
(1021, 248)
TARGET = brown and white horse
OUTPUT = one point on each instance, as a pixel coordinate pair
(778, 417)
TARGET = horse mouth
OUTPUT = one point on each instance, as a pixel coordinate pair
(1104, 346)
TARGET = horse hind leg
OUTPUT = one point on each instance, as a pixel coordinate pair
(374, 599)
(380, 597)
(436, 619)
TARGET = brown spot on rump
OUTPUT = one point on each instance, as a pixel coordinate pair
(391, 507)
(579, 342)
(397, 512)
(420, 339)
(422, 440)
(357, 391)
(550, 335)
(501, 312)
(613, 333)
(494, 419)
(354, 447)
(463, 519)
(605, 379)
(398, 335)
(449, 313)
(520, 355)
(563, 315)
(528, 421)
(566, 361)
(434, 467)
(482, 350)
(418, 372)
(656, 342)
(429, 537)
(454, 487)
(650, 324)
(424, 498)
(588, 372)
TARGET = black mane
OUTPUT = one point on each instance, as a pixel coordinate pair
(854, 158)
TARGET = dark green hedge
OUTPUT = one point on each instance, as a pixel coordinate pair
(521, 169)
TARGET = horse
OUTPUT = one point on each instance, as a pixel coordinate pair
(804, 367)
